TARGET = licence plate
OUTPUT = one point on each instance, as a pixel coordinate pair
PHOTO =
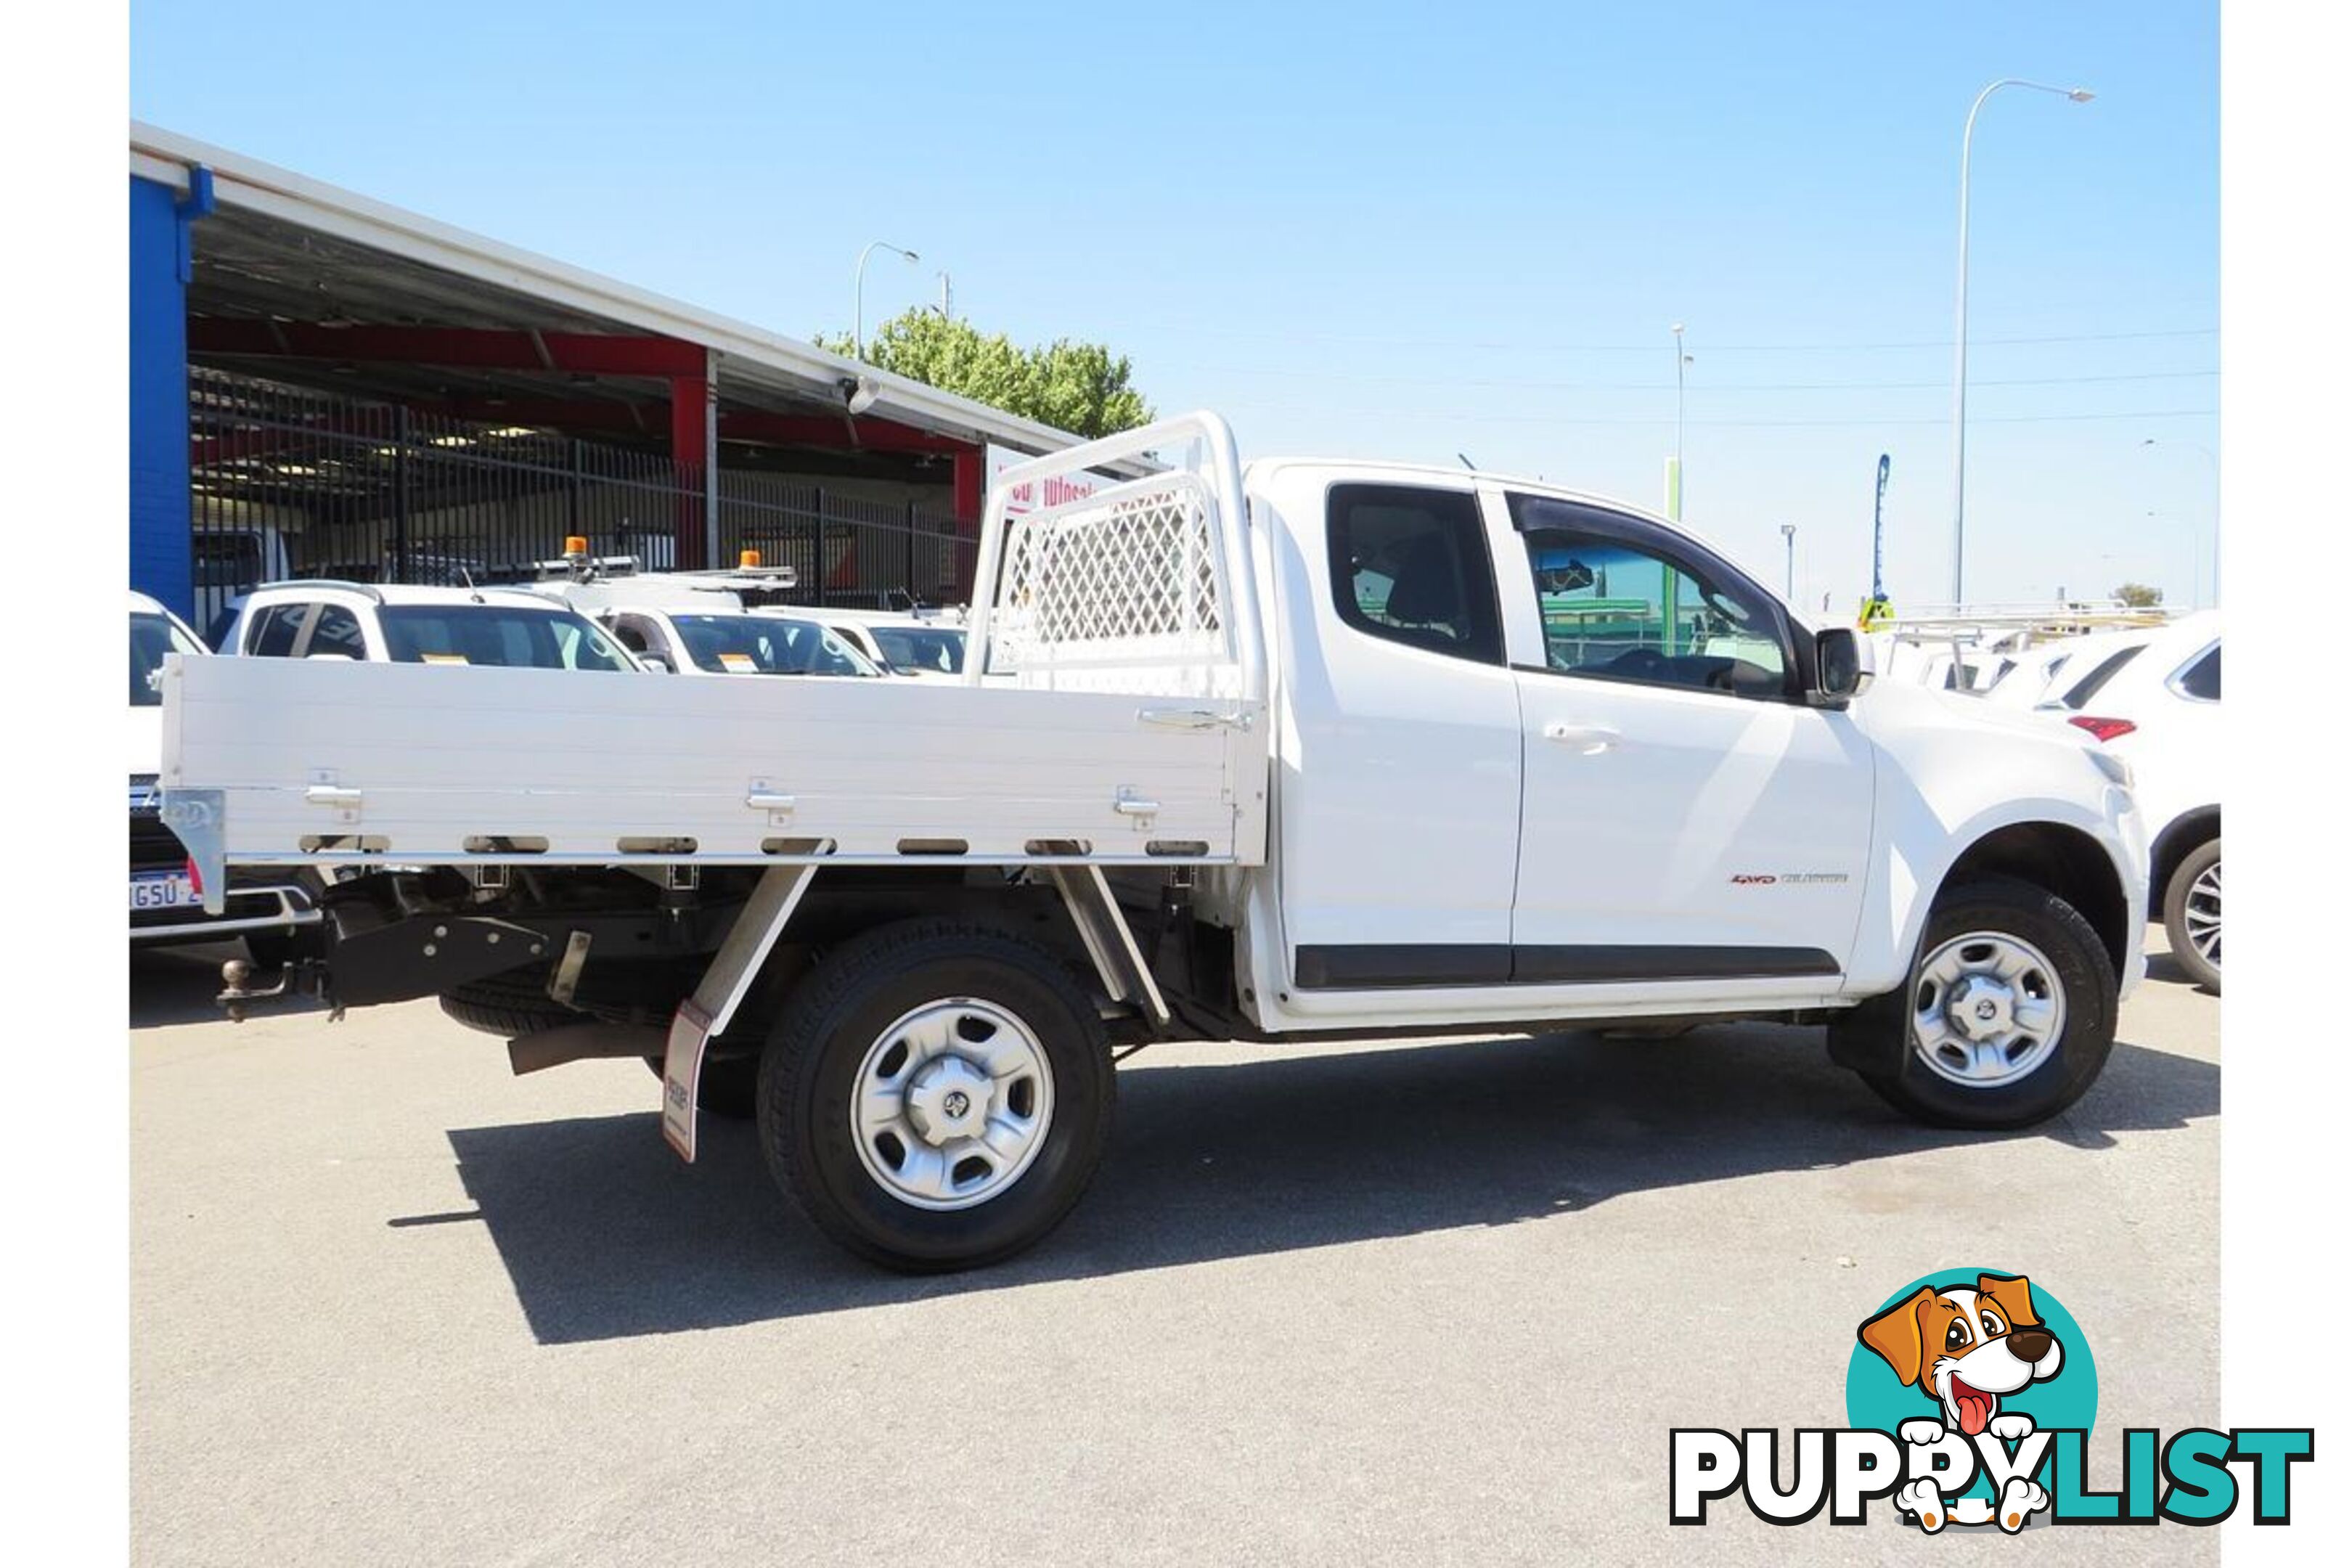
(163, 890)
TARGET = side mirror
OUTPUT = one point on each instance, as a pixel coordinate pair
(1844, 664)
(657, 662)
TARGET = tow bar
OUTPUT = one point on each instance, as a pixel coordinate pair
(236, 990)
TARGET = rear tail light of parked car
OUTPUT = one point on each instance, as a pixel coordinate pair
(2104, 728)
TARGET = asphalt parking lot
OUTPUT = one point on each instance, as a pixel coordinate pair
(1374, 1303)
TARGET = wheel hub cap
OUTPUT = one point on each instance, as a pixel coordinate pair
(1989, 1010)
(1982, 1008)
(948, 1099)
(952, 1103)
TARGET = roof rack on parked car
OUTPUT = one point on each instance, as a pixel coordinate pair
(2036, 621)
(577, 565)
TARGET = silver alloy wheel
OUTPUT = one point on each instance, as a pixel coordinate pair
(2201, 915)
(1987, 1011)
(952, 1103)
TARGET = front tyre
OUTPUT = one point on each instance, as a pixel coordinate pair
(936, 1095)
(2007, 1018)
(2192, 914)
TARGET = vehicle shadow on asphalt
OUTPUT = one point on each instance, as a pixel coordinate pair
(606, 1234)
(2167, 970)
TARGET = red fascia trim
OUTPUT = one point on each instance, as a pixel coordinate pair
(971, 485)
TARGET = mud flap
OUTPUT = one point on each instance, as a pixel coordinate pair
(722, 989)
(1870, 1039)
(689, 1031)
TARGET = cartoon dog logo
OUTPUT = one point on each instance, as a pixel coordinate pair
(1964, 1348)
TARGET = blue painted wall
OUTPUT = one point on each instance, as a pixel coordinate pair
(159, 401)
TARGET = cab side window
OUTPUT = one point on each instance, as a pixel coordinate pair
(1619, 610)
(1411, 566)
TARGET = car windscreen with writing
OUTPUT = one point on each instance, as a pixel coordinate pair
(767, 644)
(495, 635)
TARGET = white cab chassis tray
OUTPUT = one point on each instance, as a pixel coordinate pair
(303, 761)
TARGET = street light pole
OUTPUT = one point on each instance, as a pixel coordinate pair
(1789, 534)
(2196, 558)
(1675, 476)
(1960, 327)
(947, 297)
(2207, 453)
(857, 330)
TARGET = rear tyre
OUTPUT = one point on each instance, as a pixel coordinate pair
(936, 1095)
(2007, 1018)
(508, 1005)
(2192, 914)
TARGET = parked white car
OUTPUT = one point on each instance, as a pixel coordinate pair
(2046, 672)
(717, 622)
(2157, 704)
(167, 904)
(718, 641)
(407, 624)
(902, 642)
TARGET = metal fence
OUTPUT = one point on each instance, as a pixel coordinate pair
(289, 482)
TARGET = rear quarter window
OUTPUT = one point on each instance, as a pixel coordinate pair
(2083, 691)
(2203, 679)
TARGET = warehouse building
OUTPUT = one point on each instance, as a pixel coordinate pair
(324, 385)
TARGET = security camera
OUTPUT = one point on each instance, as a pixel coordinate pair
(859, 393)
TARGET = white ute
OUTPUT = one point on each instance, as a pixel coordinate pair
(702, 623)
(1319, 749)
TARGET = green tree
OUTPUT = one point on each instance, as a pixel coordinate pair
(1076, 386)
(2139, 597)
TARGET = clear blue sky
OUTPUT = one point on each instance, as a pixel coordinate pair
(1388, 230)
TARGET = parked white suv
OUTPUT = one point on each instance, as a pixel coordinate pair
(2157, 704)
(2044, 673)
(405, 624)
